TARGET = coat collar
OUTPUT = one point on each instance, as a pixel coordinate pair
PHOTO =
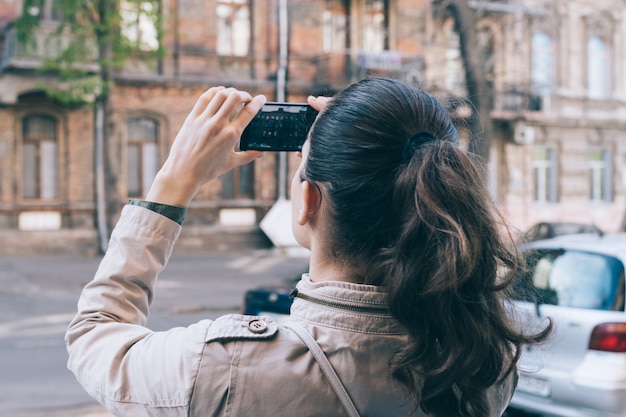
(349, 306)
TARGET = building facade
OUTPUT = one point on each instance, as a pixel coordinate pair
(283, 49)
(556, 71)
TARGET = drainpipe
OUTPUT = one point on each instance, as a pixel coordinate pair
(281, 87)
(103, 233)
(277, 222)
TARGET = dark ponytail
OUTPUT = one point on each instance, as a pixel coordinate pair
(409, 210)
(447, 295)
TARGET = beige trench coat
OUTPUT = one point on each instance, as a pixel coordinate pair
(233, 366)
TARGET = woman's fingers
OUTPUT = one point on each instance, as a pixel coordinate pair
(251, 109)
(204, 147)
(318, 103)
(227, 104)
(243, 118)
(204, 101)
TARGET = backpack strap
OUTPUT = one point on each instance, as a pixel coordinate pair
(327, 368)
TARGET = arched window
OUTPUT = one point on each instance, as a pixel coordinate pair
(142, 155)
(542, 67)
(597, 68)
(39, 164)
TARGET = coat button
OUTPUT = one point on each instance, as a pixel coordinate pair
(257, 326)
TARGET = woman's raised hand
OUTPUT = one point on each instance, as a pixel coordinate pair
(205, 146)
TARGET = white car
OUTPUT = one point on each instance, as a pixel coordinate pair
(578, 281)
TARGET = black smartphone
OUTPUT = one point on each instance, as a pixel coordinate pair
(278, 127)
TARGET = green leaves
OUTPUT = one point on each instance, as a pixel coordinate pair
(85, 41)
(76, 89)
(29, 20)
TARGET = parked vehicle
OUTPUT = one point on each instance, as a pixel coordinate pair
(272, 301)
(548, 230)
(577, 281)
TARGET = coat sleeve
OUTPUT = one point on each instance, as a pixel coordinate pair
(125, 366)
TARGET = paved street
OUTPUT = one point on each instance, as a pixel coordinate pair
(38, 298)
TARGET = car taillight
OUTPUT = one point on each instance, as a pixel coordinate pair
(609, 337)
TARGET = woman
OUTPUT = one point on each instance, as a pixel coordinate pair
(402, 294)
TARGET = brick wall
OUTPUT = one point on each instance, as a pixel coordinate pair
(189, 67)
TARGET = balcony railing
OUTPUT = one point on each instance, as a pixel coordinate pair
(518, 98)
(341, 68)
(45, 43)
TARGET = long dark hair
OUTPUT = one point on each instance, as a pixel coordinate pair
(414, 215)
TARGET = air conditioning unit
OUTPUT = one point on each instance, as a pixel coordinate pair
(524, 134)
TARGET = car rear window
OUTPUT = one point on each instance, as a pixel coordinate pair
(573, 279)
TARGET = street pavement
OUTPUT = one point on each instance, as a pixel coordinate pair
(38, 298)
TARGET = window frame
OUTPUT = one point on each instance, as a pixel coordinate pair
(230, 37)
(375, 35)
(545, 176)
(42, 191)
(542, 68)
(142, 145)
(47, 11)
(137, 15)
(333, 40)
(539, 284)
(234, 179)
(598, 68)
(600, 176)
(454, 77)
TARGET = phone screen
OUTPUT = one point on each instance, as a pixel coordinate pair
(278, 127)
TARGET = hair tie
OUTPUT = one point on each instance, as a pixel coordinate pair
(413, 142)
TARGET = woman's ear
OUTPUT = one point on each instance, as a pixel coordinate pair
(311, 201)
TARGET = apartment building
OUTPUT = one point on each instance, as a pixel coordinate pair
(49, 195)
(556, 72)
